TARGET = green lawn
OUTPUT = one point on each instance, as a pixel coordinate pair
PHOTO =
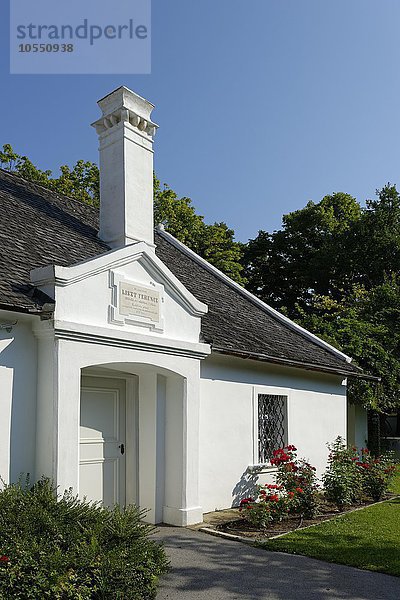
(368, 538)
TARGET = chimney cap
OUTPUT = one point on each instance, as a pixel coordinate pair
(123, 105)
(123, 97)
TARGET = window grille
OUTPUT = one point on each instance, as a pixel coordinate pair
(271, 425)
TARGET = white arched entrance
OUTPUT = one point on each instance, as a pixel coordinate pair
(146, 400)
(130, 437)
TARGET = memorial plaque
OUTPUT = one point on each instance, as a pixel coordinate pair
(139, 301)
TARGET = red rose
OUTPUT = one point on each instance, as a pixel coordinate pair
(246, 500)
(245, 503)
(299, 490)
(4, 558)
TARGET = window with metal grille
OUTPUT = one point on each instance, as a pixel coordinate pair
(271, 425)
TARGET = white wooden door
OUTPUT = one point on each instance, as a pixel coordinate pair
(102, 469)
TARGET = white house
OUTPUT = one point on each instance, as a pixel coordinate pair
(133, 371)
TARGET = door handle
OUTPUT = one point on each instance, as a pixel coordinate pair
(122, 448)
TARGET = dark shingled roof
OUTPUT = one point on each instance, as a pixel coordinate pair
(37, 228)
(40, 227)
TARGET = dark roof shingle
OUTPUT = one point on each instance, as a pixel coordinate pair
(39, 227)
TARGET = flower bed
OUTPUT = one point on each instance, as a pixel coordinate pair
(242, 527)
(295, 500)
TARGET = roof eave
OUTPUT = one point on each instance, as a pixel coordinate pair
(30, 310)
(294, 363)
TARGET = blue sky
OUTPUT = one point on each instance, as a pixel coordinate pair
(262, 105)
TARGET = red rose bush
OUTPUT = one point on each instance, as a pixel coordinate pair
(348, 479)
(273, 504)
(376, 473)
(297, 474)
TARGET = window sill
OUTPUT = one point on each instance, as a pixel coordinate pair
(262, 468)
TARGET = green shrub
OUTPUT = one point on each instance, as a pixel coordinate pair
(342, 479)
(376, 473)
(68, 549)
(257, 514)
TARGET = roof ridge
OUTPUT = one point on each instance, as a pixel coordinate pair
(263, 305)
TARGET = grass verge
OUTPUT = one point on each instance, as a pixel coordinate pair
(367, 539)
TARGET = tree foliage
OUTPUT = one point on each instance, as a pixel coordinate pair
(365, 325)
(307, 256)
(213, 242)
(334, 267)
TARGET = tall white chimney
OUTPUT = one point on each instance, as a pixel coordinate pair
(126, 134)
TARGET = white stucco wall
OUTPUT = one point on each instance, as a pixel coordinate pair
(17, 397)
(316, 415)
(73, 304)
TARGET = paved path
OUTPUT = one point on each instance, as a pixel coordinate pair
(209, 568)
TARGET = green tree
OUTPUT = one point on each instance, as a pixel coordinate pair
(81, 182)
(219, 248)
(178, 216)
(365, 325)
(309, 255)
(11, 161)
(377, 237)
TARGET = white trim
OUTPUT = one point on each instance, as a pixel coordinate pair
(65, 276)
(262, 468)
(103, 336)
(265, 307)
(132, 439)
(182, 517)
